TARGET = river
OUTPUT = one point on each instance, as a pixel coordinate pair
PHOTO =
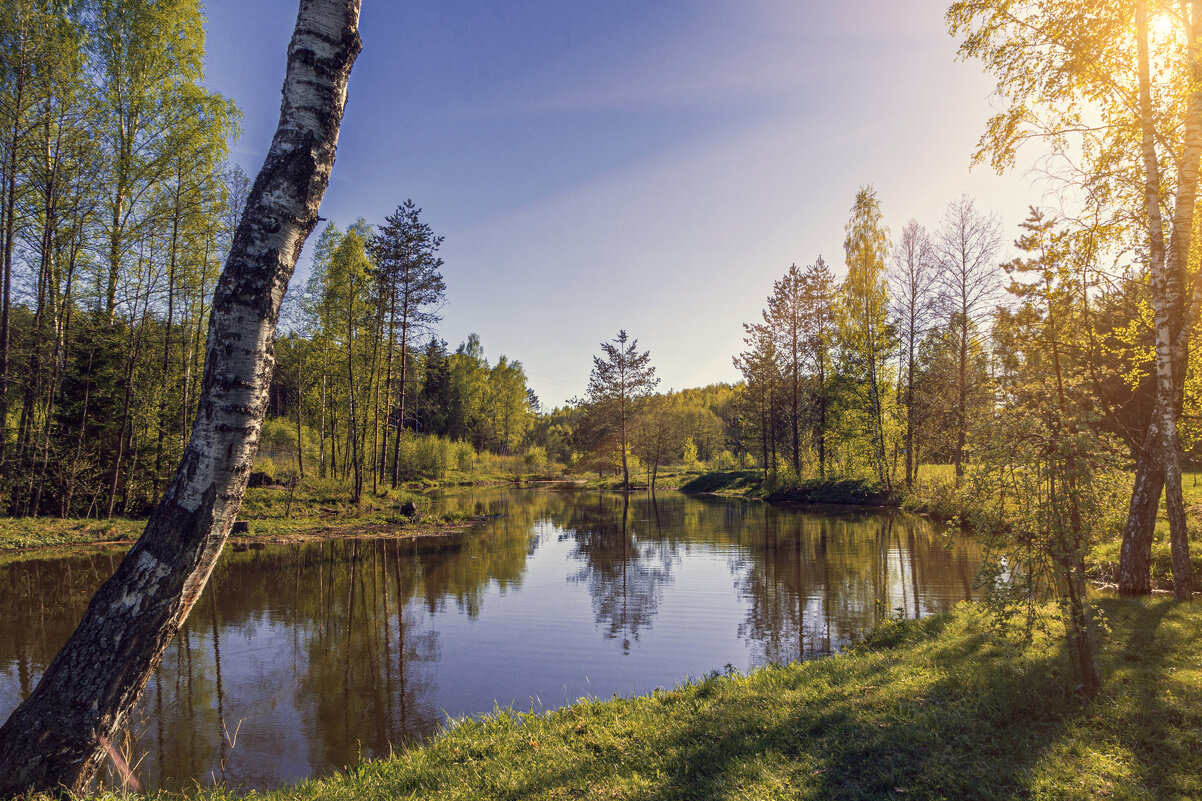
(300, 658)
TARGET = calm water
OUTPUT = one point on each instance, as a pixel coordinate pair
(299, 657)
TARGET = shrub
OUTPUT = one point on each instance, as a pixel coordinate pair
(536, 459)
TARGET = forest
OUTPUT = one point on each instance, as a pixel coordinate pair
(1038, 386)
(119, 205)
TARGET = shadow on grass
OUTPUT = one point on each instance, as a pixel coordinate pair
(1157, 711)
(930, 709)
(725, 481)
(964, 721)
(972, 728)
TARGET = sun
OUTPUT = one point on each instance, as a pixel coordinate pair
(1165, 28)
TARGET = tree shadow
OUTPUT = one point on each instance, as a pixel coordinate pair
(1140, 679)
(973, 726)
(969, 734)
(935, 708)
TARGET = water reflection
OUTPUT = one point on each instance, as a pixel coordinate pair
(625, 570)
(301, 657)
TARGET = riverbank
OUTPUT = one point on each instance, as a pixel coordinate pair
(315, 510)
(939, 499)
(271, 515)
(17, 535)
(751, 484)
(935, 708)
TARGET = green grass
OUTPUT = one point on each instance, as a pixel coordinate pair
(936, 472)
(927, 709)
(1103, 558)
(728, 482)
(318, 509)
(49, 532)
(855, 491)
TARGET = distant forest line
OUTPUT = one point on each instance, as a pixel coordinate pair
(118, 204)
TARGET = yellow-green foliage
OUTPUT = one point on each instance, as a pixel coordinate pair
(464, 455)
(689, 459)
(432, 457)
(536, 459)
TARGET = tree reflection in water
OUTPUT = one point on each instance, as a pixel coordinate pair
(303, 657)
(625, 573)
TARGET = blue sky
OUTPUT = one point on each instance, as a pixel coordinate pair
(651, 166)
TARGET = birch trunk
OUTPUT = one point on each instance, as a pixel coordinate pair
(52, 740)
(1135, 559)
(1167, 260)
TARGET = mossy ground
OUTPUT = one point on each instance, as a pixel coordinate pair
(931, 709)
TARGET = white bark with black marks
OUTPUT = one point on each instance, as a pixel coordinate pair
(52, 740)
(1167, 256)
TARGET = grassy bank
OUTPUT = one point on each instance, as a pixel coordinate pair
(935, 495)
(928, 709)
(316, 510)
(18, 533)
(750, 483)
(728, 482)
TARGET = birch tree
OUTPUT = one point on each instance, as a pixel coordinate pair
(863, 314)
(53, 740)
(346, 297)
(1119, 86)
(151, 54)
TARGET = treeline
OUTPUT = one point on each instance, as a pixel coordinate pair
(116, 209)
(695, 428)
(359, 372)
(1032, 376)
(931, 342)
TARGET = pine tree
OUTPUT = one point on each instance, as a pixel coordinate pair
(617, 382)
(819, 293)
(785, 317)
(410, 289)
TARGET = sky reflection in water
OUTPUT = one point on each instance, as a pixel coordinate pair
(299, 656)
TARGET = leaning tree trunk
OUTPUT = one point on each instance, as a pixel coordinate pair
(52, 740)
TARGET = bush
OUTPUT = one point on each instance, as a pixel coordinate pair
(431, 456)
(464, 456)
(724, 461)
(536, 459)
